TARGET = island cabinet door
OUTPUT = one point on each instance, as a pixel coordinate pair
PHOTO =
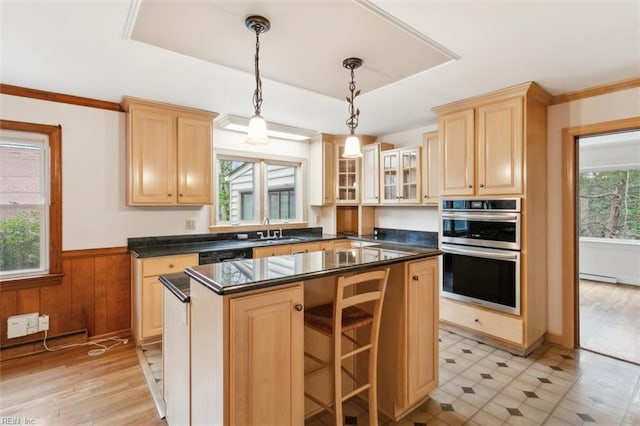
(422, 329)
(266, 358)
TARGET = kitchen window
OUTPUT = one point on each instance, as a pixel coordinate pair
(252, 189)
(30, 204)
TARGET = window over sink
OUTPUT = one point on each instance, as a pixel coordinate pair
(251, 189)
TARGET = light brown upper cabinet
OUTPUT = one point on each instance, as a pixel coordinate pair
(371, 171)
(430, 168)
(321, 174)
(347, 177)
(347, 171)
(400, 176)
(169, 154)
(484, 141)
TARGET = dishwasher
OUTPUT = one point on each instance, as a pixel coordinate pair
(216, 256)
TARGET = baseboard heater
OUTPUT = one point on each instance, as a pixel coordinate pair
(596, 277)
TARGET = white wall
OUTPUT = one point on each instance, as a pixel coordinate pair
(415, 218)
(608, 107)
(94, 213)
(411, 137)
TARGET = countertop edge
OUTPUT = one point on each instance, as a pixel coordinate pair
(169, 285)
(211, 285)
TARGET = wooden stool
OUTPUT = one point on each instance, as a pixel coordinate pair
(344, 315)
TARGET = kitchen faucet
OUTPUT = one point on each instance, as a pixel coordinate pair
(267, 222)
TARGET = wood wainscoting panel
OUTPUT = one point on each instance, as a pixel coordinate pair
(56, 301)
(94, 295)
(80, 273)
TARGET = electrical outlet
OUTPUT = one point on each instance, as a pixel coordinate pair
(43, 323)
(190, 224)
(318, 220)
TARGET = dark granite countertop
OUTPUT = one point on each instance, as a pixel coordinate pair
(168, 249)
(251, 274)
(178, 284)
(185, 244)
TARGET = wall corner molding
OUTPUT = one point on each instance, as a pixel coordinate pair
(44, 95)
(595, 91)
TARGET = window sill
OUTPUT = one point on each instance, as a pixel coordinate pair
(14, 284)
(250, 228)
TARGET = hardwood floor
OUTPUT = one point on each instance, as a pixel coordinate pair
(70, 387)
(609, 321)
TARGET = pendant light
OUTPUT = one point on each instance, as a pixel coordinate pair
(352, 144)
(257, 133)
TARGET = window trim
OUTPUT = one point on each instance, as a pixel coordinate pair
(55, 273)
(259, 158)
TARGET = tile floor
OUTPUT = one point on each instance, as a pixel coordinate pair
(481, 385)
(153, 356)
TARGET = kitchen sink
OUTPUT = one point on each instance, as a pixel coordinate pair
(279, 241)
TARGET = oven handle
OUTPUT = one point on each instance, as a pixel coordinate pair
(488, 217)
(480, 253)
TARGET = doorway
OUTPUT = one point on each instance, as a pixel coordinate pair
(608, 243)
(569, 233)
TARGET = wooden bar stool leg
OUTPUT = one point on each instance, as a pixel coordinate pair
(344, 316)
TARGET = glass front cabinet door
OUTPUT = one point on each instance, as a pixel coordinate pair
(400, 176)
(348, 170)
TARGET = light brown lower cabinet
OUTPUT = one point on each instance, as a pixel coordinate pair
(506, 327)
(146, 292)
(247, 362)
(408, 355)
(247, 357)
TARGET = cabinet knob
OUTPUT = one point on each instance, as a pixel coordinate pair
(169, 194)
(476, 320)
(180, 195)
(482, 185)
(298, 307)
(171, 266)
(470, 186)
(415, 278)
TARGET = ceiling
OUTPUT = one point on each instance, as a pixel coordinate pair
(93, 49)
(296, 49)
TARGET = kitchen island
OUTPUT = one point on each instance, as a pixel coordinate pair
(247, 335)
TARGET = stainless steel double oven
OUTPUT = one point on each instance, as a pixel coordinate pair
(481, 252)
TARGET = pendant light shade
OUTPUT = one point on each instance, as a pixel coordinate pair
(257, 134)
(352, 144)
(352, 148)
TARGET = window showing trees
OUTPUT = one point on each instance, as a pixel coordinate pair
(30, 203)
(24, 204)
(610, 204)
(250, 189)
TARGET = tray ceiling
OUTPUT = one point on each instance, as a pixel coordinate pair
(305, 46)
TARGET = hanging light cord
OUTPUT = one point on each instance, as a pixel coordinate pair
(352, 121)
(257, 95)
